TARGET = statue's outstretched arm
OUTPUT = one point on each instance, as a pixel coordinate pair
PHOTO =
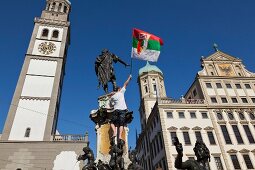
(121, 61)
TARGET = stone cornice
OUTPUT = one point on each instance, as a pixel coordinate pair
(51, 22)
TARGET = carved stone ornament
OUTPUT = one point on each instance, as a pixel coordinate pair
(232, 151)
(172, 128)
(184, 128)
(47, 48)
(244, 151)
(196, 128)
(208, 128)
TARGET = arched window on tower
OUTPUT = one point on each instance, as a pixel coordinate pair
(55, 34)
(45, 33)
(27, 133)
(65, 9)
(60, 7)
(53, 6)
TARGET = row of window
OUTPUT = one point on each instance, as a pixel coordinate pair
(45, 33)
(246, 159)
(228, 85)
(198, 135)
(231, 116)
(233, 99)
(59, 8)
(237, 134)
(181, 115)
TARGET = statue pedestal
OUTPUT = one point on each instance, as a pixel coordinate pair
(101, 118)
(104, 134)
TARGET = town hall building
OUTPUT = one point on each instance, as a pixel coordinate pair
(218, 108)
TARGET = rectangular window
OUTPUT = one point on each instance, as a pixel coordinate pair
(213, 99)
(235, 161)
(237, 134)
(225, 134)
(181, 115)
(238, 86)
(204, 115)
(169, 114)
(234, 100)
(208, 85)
(228, 86)
(224, 100)
(248, 133)
(218, 85)
(248, 86)
(193, 115)
(244, 100)
(173, 135)
(198, 136)
(211, 138)
(253, 100)
(218, 163)
(186, 138)
(247, 161)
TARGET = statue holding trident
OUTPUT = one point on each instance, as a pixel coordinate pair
(202, 153)
(104, 69)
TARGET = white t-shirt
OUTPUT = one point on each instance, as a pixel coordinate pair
(118, 100)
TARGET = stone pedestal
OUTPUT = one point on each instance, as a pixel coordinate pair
(104, 132)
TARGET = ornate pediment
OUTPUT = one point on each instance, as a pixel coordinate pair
(244, 151)
(232, 151)
(208, 128)
(221, 56)
(172, 128)
(184, 128)
(196, 128)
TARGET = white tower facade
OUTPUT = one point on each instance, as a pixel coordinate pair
(34, 109)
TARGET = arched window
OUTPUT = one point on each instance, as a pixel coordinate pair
(45, 33)
(53, 6)
(27, 133)
(59, 7)
(55, 34)
(241, 116)
(65, 9)
(18, 169)
(230, 116)
(219, 116)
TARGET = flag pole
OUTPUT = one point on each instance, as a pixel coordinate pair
(131, 62)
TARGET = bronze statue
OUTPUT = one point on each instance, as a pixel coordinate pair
(134, 160)
(102, 166)
(116, 151)
(104, 69)
(88, 154)
(202, 153)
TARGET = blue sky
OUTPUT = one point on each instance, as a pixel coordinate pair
(188, 28)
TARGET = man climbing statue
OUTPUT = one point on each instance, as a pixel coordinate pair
(120, 110)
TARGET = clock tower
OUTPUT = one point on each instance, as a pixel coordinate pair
(33, 113)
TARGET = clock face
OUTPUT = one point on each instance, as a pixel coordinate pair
(47, 48)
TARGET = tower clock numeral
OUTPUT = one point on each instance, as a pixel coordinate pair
(47, 48)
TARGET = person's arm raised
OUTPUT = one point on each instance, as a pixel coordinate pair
(127, 81)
